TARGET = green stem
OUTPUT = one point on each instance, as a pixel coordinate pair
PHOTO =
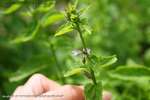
(85, 48)
(93, 75)
(81, 36)
(60, 74)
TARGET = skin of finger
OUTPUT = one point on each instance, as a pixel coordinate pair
(67, 92)
(107, 95)
(39, 84)
(17, 91)
(51, 86)
(21, 94)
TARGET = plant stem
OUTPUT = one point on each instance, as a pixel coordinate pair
(81, 37)
(85, 48)
(93, 75)
(60, 75)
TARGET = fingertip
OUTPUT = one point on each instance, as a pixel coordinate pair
(39, 84)
(107, 95)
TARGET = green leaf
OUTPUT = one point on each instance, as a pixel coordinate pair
(94, 59)
(76, 3)
(23, 38)
(87, 29)
(84, 9)
(107, 61)
(24, 72)
(12, 8)
(46, 6)
(103, 62)
(131, 72)
(93, 91)
(64, 29)
(42, 8)
(75, 71)
(48, 20)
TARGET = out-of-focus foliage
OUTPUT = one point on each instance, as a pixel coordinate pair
(120, 27)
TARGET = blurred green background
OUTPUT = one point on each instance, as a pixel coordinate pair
(28, 45)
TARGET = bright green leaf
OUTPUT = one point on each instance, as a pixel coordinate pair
(103, 62)
(12, 8)
(84, 9)
(22, 38)
(107, 61)
(87, 29)
(75, 71)
(26, 13)
(64, 29)
(51, 19)
(24, 72)
(46, 6)
(131, 72)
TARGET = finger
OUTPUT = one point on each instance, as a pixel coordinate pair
(17, 92)
(39, 84)
(20, 94)
(107, 95)
(67, 92)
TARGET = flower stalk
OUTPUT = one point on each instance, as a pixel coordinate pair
(86, 52)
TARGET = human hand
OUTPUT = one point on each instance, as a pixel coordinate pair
(38, 87)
